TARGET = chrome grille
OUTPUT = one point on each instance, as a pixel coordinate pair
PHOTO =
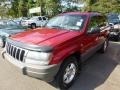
(15, 52)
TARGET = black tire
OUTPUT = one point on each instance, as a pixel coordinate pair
(104, 46)
(33, 25)
(117, 38)
(61, 74)
(2, 38)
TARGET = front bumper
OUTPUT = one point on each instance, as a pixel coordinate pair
(45, 73)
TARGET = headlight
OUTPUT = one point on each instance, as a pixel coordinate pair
(1, 42)
(38, 57)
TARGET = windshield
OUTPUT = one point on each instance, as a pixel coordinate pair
(68, 22)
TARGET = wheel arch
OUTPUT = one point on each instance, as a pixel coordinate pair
(33, 23)
(57, 76)
(77, 55)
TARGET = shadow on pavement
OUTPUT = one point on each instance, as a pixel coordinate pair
(97, 69)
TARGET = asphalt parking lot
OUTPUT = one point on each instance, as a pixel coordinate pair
(100, 72)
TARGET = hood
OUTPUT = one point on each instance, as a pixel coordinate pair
(7, 32)
(28, 20)
(43, 36)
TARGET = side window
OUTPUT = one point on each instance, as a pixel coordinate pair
(102, 22)
(94, 23)
(39, 18)
(44, 18)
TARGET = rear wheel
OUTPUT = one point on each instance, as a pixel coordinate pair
(104, 46)
(117, 38)
(67, 73)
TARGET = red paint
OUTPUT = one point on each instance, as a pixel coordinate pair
(64, 42)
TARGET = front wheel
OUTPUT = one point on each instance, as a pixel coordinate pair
(33, 26)
(117, 38)
(67, 73)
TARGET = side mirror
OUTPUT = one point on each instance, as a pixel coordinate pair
(94, 30)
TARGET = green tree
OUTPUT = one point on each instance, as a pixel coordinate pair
(19, 8)
(3, 8)
(14, 9)
(22, 8)
(52, 7)
(89, 5)
(106, 6)
(103, 6)
(30, 4)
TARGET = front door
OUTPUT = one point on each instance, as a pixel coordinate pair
(91, 39)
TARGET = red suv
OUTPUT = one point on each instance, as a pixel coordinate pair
(56, 51)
